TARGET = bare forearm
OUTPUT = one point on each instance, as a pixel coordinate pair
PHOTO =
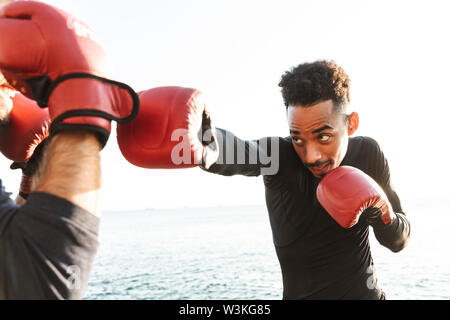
(72, 169)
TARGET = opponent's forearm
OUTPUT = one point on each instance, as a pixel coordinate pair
(72, 169)
(240, 157)
(395, 235)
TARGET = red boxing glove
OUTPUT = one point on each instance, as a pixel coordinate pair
(27, 123)
(165, 134)
(54, 59)
(346, 192)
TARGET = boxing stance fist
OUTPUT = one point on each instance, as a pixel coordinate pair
(346, 192)
(165, 134)
(27, 122)
(54, 59)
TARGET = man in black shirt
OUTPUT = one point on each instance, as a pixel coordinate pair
(319, 259)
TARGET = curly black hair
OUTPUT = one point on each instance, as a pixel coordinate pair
(311, 83)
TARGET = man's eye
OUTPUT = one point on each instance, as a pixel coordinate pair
(297, 140)
(324, 137)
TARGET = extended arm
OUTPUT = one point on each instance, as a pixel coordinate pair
(248, 158)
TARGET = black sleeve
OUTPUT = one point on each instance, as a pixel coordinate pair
(47, 248)
(396, 234)
(248, 158)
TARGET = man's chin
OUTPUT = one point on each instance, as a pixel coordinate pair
(320, 176)
(321, 172)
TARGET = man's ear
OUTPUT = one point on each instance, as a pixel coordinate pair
(353, 123)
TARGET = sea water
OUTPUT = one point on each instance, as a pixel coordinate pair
(228, 253)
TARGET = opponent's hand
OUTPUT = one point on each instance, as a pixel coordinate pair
(55, 59)
(347, 192)
(172, 130)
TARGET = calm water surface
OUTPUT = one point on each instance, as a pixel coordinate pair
(227, 253)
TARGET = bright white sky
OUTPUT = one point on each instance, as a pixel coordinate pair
(396, 53)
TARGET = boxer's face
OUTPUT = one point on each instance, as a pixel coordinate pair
(320, 135)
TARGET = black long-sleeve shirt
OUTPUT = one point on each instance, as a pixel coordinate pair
(319, 259)
(47, 247)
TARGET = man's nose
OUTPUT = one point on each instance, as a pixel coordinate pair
(312, 155)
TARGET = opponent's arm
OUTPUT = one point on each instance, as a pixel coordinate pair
(72, 169)
(48, 244)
